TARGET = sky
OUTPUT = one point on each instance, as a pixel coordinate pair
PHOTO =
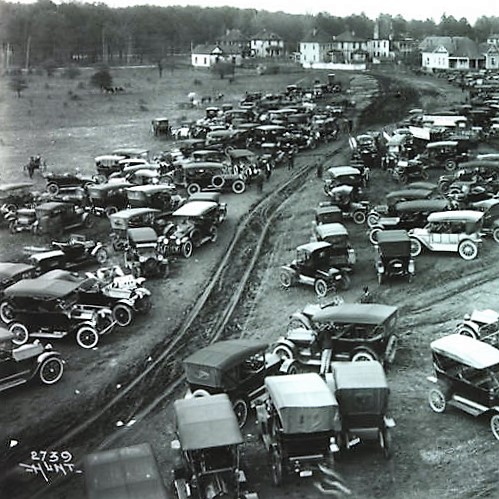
(409, 9)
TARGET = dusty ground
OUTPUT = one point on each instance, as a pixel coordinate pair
(435, 455)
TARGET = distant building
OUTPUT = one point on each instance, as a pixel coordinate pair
(266, 44)
(316, 47)
(450, 52)
(491, 53)
(349, 48)
(204, 56)
(493, 39)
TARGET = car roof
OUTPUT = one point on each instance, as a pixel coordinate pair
(110, 157)
(311, 247)
(480, 163)
(343, 170)
(43, 255)
(304, 402)
(268, 128)
(351, 375)
(333, 229)
(241, 153)
(151, 188)
(468, 351)
(132, 212)
(194, 208)
(223, 355)
(206, 165)
(145, 172)
(205, 196)
(393, 236)
(8, 269)
(422, 185)
(485, 203)
(130, 150)
(142, 234)
(52, 205)
(328, 209)
(422, 205)
(41, 288)
(442, 143)
(118, 183)
(206, 422)
(359, 313)
(455, 216)
(410, 193)
(4, 188)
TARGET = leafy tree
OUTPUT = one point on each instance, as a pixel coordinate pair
(102, 78)
(18, 83)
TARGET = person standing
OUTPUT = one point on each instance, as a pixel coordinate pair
(291, 160)
(326, 345)
(319, 170)
(259, 179)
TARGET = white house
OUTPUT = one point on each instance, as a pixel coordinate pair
(491, 54)
(493, 39)
(316, 47)
(204, 56)
(450, 52)
(379, 49)
(349, 48)
(266, 44)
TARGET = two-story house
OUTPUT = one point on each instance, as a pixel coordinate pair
(450, 52)
(266, 44)
(316, 47)
(349, 48)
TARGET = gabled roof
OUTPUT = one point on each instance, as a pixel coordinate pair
(233, 35)
(317, 36)
(205, 49)
(456, 46)
(348, 36)
(215, 49)
(266, 35)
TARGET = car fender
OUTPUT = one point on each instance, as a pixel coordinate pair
(46, 355)
(286, 365)
(298, 316)
(472, 325)
(96, 248)
(127, 301)
(143, 292)
(288, 268)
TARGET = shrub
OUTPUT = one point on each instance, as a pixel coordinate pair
(197, 82)
(102, 78)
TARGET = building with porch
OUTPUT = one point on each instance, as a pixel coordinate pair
(450, 52)
(266, 44)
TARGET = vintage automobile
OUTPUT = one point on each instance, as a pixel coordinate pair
(364, 147)
(444, 153)
(216, 176)
(314, 266)
(58, 181)
(161, 127)
(163, 197)
(405, 170)
(466, 377)
(393, 255)
(76, 252)
(52, 218)
(123, 293)
(22, 220)
(327, 213)
(476, 173)
(11, 273)
(406, 215)
(237, 368)
(336, 234)
(362, 393)
(490, 221)
(481, 325)
(45, 308)
(124, 473)
(143, 255)
(28, 362)
(195, 223)
(265, 134)
(108, 164)
(14, 196)
(108, 198)
(243, 162)
(132, 153)
(359, 332)
(345, 175)
(450, 231)
(297, 425)
(207, 463)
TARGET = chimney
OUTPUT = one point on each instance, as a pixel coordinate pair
(314, 32)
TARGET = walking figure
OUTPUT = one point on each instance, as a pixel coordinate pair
(319, 170)
(326, 345)
(291, 161)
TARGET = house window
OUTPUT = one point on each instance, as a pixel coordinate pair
(195, 59)
(206, 60)
(492, 61)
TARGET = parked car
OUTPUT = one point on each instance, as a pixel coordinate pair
(108, 164)
(314, 266)
(58, 181)
(22, 220)
(28, 362)
(476, 173)
(163, 197)
(11, 273)
(466, 377)
(362, 393)
(43, 308)
(405, 170)
(481, 325)
(106, 199)
(450, 231)
(336, 234)
(490, 221)
(195, 223)
(161, 127)
(345, 176)
(235, 367)
(327, 213)
(14, 196)
(297, 425)
(359, 332)
(445, 153)
(143, 256)
(56, 217)
(208, 463)
(393, 255)
(123, 293)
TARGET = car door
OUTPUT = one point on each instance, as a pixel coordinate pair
(9, 368)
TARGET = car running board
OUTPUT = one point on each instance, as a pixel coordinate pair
(11, 384)
(467, 405)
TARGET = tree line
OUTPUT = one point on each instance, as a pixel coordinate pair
(43, 32)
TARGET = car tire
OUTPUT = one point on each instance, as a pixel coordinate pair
(372, 219)
(6, 312)
(380, 278)
(240, 407)
(111, 210)
(144, 305)
(468, 331)
(467, 250)
(373, 234)
(359, 217)
(385, 442)
(293, 369)
(416, 247)
(320, 287)
(437, 400)
(276, 467)
(20, 332)
(495, 234)
(87, 337)
(123, 314)
(51, 370)
(52, 189)
(444, 187)
(101, 256)
(450, 165)
(187, 249)
(193, 188)
(213, 234)
(238, 187)
(494, 425)
(363, 356)
(283, 352)
(285, 279)
(218, 181)
(200, 393)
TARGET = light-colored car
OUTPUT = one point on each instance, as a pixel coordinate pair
(449, 231)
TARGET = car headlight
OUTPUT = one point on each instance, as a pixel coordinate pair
(178, 242)
(142, 259)
(159, 258)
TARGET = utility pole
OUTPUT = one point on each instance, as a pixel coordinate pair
(129, 51)
(104, 47)
(28, 49)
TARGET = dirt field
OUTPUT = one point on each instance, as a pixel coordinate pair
(450, 455)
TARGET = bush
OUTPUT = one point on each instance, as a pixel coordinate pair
(71, 72)
(222, 69)
(102, 78)
(50, 67)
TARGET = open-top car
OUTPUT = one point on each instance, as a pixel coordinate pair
(466, 377)
(195, 223)
(297, 424)
(359, 332)
(28, 362)
(45, 308)
(336, 234)
(163, 197)
(14, 196)
(58, 181)
(143, 253)
(362, 393)
(207, 459)
(393, 255)
(345, 175)
(314, 266)
(235, 367)
(161, 127)
(445, 153)
(481, 325)
(449, 231)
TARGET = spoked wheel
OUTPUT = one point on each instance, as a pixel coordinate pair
(359, 217)
(20, 332)
(241, 411)
(193, 188)
(238, 187)
(101, 256)
(495, 235)
(373, 235)
(468, 250)
(283, 352)
(437, 400)
(285, 279)
(51, 371)
(372, 219)
(6, 312)
(320, 287)
(53, 189)
(276, 467)
(187, 249)
(122, 314)
(450, 165)
(416, 247)
(494, 425)
(87, 337)
(363, 356)
(385, 442)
